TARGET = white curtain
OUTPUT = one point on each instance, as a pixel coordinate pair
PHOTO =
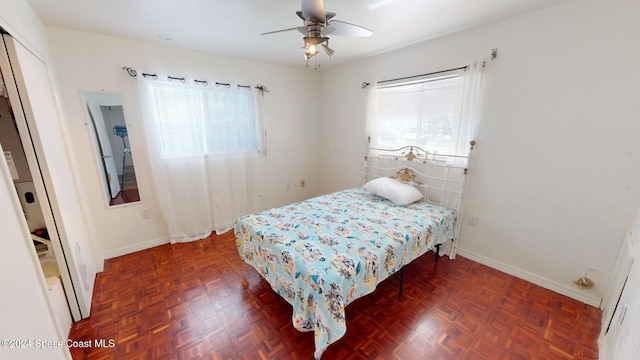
(416, 111)
(201, 160)
(468, 109)
(371, 123)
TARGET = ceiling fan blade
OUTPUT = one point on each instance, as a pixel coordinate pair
(313, 10)
(347, 29)
(283, 30)
(329, 15)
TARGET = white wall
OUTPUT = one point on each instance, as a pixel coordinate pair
(91, 62)
(554, 181)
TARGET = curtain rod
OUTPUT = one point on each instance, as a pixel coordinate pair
(365, 84)
(494, 55)
(133, 73)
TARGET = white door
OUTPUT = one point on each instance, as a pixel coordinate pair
(104, 149)
(43, 137)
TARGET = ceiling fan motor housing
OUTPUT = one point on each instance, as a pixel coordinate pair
(318, 24)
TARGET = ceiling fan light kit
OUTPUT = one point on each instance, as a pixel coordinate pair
(327, 49)
(318, 24)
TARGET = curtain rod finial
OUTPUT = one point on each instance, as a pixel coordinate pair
(364, 84)
(130, 71)
(263, 89)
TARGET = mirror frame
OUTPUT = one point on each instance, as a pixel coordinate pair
(104, 143)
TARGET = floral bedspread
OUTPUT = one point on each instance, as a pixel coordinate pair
(325, 252)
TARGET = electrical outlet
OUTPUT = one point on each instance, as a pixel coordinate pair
(145, 213)
(473, 220)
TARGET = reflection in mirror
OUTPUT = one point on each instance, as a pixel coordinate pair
(112, 145)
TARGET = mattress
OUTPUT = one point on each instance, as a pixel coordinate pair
(325, 252)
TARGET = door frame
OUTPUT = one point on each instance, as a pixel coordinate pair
(31, 144)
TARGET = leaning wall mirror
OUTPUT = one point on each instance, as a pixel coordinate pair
(109, 128)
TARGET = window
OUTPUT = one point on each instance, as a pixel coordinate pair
(428, 112)
(193, 120)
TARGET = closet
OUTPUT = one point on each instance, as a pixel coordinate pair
(20, 170)
(38, 160)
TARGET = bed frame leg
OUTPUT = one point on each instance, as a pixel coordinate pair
(401, 277)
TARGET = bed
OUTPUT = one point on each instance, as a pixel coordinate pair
(323, 253)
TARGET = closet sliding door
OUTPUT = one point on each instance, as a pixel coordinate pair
(43, 136)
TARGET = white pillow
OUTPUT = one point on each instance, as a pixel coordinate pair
(394, 190)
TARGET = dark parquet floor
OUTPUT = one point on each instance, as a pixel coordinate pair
(200, 300)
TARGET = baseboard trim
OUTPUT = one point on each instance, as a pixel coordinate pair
(533, 278)
(135, 247)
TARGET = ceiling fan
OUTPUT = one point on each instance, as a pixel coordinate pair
(319, 23)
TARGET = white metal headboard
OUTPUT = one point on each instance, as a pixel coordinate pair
(441, 178)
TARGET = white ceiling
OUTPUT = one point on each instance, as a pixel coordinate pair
(233, 27)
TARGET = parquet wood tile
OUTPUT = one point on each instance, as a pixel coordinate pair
(199, 300)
